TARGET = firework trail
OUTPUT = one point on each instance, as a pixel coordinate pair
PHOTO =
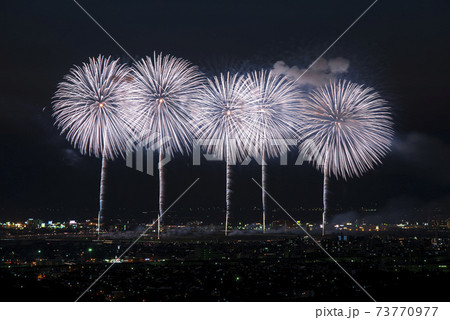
(162, 93)
(103, 178)
(326, 182)
(221, 119)
(161, 187)
(91, 107)
(275, 106)
(349, 126)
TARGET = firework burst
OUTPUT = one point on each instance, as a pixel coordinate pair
(347, 128)
(221, 119)
(275, 106)
(163, 91)
(90, 107)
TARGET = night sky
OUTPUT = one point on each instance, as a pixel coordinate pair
(401, 48)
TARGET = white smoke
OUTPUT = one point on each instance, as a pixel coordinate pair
(321, 72)
(338, 65)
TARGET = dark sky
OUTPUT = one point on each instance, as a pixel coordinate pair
(401, 48)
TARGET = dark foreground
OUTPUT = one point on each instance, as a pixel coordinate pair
(406, 267)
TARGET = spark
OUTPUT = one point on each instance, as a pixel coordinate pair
(347, 128)
(163, 87)
(101, 131)
(276, 105)
(223, 115)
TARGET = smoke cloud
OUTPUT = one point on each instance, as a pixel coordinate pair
(322, 72)
(427, 155)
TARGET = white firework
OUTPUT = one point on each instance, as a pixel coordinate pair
(275, 107)
(347, 128)
(223, 115)
(164, 87)
(92, 108)
(222, 118)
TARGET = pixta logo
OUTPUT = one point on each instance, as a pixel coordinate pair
(141, 149)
